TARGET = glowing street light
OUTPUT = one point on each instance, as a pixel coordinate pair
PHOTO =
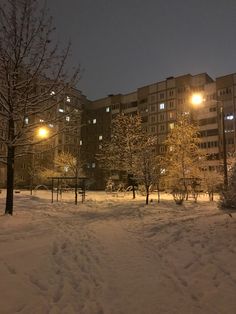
(43, 132)
(197, 99)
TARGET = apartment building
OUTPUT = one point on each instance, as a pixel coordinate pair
(159, 104)
(63, 120)
(226, 99)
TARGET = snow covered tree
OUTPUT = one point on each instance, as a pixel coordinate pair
(122, 151)
(67, 164)
(228, 197)
(183, 157)
(45, 174)
(147, 167)
(211, 182)
(131, 149)
(32, 79)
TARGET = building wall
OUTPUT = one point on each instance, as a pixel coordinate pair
(159, 104)
(226, 97)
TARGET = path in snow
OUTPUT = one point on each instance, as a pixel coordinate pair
(156, 265)
(117, 257)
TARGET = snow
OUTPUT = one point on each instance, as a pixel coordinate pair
(114, 255)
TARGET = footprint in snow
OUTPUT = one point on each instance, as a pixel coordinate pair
(11, 269)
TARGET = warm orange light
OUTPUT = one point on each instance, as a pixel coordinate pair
(197, 99)
(43, 132)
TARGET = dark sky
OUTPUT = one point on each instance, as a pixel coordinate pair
(125, 44)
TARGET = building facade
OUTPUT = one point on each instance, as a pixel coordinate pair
(159, 104)
(81, 126)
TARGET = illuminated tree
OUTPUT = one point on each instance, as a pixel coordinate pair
(212, 180)
(122, 151)
(66, 163)
(133, 150)
(32, 78)
(183, 157)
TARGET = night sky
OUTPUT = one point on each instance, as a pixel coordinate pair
(125, 44)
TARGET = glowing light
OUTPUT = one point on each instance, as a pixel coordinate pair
(197, 99)
(43, 132)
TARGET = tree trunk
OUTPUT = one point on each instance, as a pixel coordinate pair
(31, 185)
(147, 196)
(133, 189)
(10, 180)
(158, 196)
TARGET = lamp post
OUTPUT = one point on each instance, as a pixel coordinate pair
(197, 99)
(41, 133)
(222, 116)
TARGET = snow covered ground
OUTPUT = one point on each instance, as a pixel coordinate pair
(114, 255)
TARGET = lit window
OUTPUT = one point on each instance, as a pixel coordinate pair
(67, 118)
(100, 137)
(52, 93)
(41, 120)
(171, 126)
(230, 117)
(26, 120)
(107, 109)
(100, 146)
(61, 110)
(163, 170)
(94, 121)
(89, 121)
(162, 106)
(93, 165)
(80, 142)
(50, 125)
(67, 98)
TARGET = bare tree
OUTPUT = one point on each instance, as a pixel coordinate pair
(148, 163)
(32, 81)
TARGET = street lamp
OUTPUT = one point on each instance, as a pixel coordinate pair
(197, 99)
(43, 132)
(222, 118)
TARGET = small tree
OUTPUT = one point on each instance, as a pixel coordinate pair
(66, 164)
(45, 174)
(211, 182)
(120, 153)
(147, 164)
(228, 197)
(183, 157)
